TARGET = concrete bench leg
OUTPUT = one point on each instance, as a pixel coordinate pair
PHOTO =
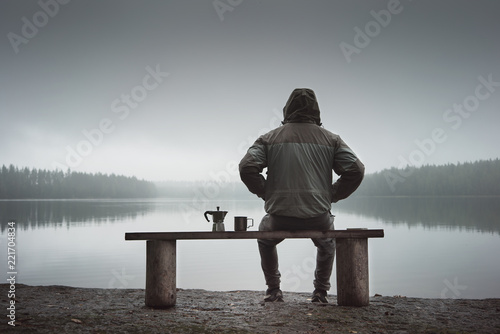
(161, 273)
(352, 272)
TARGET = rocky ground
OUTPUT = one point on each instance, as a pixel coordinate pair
(59, 309)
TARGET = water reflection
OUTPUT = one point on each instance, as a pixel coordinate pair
(36, 214)
(473, 213)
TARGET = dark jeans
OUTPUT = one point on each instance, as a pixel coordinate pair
(325, 247)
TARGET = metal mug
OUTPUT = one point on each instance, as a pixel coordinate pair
(240, 223)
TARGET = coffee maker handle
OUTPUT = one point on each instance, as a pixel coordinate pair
(205, 214)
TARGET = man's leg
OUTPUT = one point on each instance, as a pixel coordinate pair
(269, 255)
(324, 260)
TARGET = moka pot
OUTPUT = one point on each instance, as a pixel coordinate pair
(218, 219)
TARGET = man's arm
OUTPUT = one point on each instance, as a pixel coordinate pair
(251, 166)
(351, 171)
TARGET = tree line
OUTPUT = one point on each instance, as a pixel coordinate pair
(25, 183)
(479, 178)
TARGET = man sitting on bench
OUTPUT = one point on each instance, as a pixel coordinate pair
(298, 191)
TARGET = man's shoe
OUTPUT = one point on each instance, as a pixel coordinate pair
(273, 295)
(319, 296)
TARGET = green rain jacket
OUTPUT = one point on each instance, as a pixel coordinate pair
(300, 156)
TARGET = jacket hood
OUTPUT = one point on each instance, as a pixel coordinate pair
(301, 107)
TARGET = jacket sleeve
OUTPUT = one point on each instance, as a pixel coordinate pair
(350, 169)
(251, 167)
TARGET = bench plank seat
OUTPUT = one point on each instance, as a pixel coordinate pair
(349, 233)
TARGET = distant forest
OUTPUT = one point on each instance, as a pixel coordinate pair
(25, 183)
(480, 178)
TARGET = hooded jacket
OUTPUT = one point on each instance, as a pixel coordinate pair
(300, 156)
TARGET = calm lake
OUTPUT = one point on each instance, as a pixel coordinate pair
(433, 247)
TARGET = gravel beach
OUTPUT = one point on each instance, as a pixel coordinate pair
(61, 309)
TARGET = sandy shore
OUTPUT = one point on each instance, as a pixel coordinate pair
(60, 309)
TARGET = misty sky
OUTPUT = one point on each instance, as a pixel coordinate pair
(178, 90)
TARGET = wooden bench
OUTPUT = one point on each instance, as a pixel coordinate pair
(351, 259)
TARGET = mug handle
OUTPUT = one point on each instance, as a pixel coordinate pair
(251, 220)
